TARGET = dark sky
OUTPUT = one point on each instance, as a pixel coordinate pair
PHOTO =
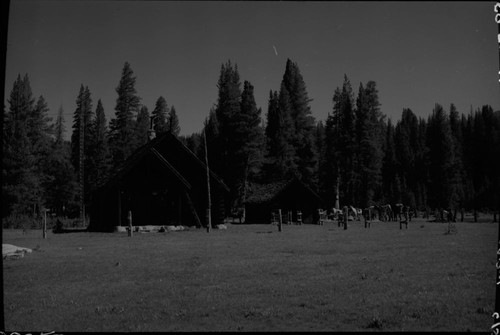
(419, 53)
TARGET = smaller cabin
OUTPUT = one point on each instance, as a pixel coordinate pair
(288, 195)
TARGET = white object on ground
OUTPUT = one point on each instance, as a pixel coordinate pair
(9, 250)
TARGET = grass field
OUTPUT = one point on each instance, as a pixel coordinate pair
(254, 278)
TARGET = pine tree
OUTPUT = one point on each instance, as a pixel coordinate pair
(331, 159)
(173, 122)
(84, 108)
(248, 140)
(99, 165)
(340, 136)
(303, 125)
(61, 187)
(422, 166)
(281, 153)
(390, 177)
(321, 149)
(159, 115)
(122, 138)
(458, 180)
(406, 138)
(369, 140)
(39, 133)
(439, 140)
(142, 126)
(59, 128)
(223, 153)
(39, 129)
(19, 161)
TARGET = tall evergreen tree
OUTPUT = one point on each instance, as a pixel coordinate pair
(248, 140)
(142, 126)
(391, 181)
(321, 150)
(173, 122)
(369, 140)
(83, 107)
(458, 179)
(281, 153)
(340, 136)
(61, 187)
(223, 154)
(59, 127)
(40, 132)
(406, 137)
(440, 158)
(303, 123)
(122, 138)
(99, 165)
(159, 115)
(19, 161)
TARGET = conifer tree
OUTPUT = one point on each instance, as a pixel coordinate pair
(159, 115)
(406, 137)
(61, 187)
(340, 136)
(39, 133)
(83, 109)
(458, 180)
(19, 161)
(390, 178)
(99, 165)
(303, 125)
(142, 126)
(173, 122)
(122, 141)
(248, 140)
(281, 153)
(369, 130)
(439, 141)
(59, 128)
(321, 149)
(223, 153)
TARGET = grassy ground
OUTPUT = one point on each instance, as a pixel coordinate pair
(254, 278)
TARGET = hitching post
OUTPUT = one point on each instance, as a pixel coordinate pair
(44, 234)
(280, 219)
(209, 203)
(129, 223)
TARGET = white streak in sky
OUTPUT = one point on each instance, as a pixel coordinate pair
(276, 52)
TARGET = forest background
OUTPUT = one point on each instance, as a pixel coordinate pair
(444, 161)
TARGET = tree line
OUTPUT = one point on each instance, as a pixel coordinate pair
(41, 170)
(446, 160)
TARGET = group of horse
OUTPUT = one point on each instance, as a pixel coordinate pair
(385, 213)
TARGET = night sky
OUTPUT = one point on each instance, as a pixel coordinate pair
(419, 53)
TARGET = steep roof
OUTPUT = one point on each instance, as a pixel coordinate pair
(150, 148)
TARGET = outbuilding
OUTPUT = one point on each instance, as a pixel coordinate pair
(162, 183)
(289, 195)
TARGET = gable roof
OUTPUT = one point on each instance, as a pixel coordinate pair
(150, 148)
(262, 193)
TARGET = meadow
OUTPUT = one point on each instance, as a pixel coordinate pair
(254, 278)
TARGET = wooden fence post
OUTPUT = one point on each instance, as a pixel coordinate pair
(279, 219)
(129, 223)
(44, 234)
